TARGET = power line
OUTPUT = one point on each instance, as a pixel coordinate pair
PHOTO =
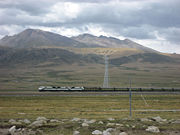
(130, 99)
(106, 75)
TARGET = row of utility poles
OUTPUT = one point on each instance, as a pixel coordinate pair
(106, 84)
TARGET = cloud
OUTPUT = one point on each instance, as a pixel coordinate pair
(32, 7)
(10, 30)
(150, 20)
(171, 34)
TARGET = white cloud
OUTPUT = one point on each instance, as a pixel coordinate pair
(160, 45)
(10, 30)
(62, 12)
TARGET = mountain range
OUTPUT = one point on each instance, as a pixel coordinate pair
(37, 46)
(36, 38)
(36, 58)
(33, 38)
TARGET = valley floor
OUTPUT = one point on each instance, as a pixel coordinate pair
(91, 75)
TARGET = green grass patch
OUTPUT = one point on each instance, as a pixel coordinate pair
(98, 107)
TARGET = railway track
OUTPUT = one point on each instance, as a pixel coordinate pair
(94, 93)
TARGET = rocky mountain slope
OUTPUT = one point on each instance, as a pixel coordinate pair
(110, 42)
(37, 38)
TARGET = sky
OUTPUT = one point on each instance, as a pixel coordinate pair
(152, 23)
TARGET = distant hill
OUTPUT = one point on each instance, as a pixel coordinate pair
(110, 42)
(37, 38)
(153, 58)
(35, 56)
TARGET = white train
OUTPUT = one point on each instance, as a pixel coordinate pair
(53, 88)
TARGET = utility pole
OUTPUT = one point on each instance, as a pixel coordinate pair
(130, 98)
(106, 75)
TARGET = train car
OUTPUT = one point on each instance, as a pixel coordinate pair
(53, 88)
(41, 88)
(77, 88)
(62, 88)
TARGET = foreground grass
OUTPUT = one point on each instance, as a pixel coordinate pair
(100, 108)
(90, 107)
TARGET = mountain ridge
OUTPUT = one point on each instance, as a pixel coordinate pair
(35, 38)
(32, 38)
(110, 42)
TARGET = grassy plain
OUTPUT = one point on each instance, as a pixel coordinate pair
(142, 75)
(91, 107)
